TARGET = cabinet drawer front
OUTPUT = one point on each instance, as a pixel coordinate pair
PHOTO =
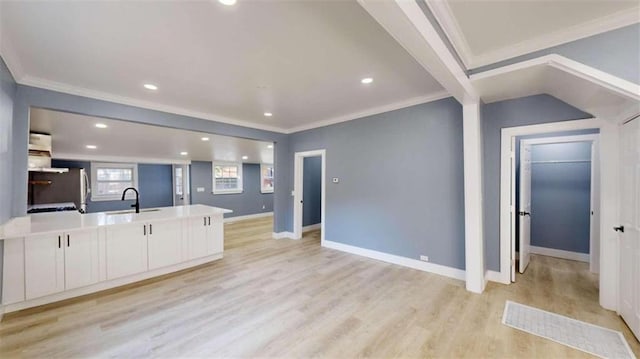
(126, 250)
(43, 265)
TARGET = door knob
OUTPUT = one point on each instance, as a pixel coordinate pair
(619, 229)
(523, 213)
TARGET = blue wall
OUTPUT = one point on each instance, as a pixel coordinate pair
(496, 116)
(401, 181)
(155, 184)
(250, 201)
(561, 196)
(616, 52)
(312, 191)
(7, 95)
(27, 97)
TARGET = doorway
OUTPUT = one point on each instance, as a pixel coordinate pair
(309, 171)
(557, 199)
(181, 185)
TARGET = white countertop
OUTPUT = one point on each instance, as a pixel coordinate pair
(40, 223)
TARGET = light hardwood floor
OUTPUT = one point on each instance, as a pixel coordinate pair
(294, 299)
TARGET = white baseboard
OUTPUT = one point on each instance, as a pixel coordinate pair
(311, 227)
(494, 276)
(248, 216)
(283, 235)
(574, 256)
(402, 261)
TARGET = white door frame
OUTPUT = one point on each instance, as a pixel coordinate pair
(609, 198)
(298, 169)
(594, 251)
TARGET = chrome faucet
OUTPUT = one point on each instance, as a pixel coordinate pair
(137, 204)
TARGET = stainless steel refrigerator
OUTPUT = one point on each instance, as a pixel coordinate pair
(50, 192)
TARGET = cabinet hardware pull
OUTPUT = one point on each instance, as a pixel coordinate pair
(59, 243)
(209, 220)
(205, 220)
(67, 240)
(145, 229)
(151, 229)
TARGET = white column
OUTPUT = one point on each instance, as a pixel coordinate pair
(473, 218)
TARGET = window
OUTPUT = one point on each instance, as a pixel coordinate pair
(109, 180)
(227, 178)
(266, 178)
(178, 180)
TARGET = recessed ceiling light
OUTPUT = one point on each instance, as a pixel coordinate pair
(151, 87)
(101, 125)
(227, 2)
(366, 80)
(245, 157)
(270, 146)
(184, 153)
(268, 114)
(205, 138)
(92, 147)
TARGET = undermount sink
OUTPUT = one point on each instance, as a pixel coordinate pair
(131, 211)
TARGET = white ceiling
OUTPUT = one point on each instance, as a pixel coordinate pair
(127, 141)
(488, 31)
(302, 61)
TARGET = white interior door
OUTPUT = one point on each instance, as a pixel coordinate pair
(525, 205)
(630, 226)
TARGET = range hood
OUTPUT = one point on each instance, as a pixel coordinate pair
(40, 154)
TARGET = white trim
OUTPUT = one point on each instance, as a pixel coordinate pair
(409, 26)
(615, 84)
(247, 216)
(559, 253)
(283, 235)
(493, 276)
(104, 96)
(450, 272)
(608, 199)
(372, 111)
(11, 58)
(298, 174)
(95, 197)
(473, 216)
(239, 189)
(109, 284)
(449, 24)
(451, 28)
(120, 159)
(311, 227)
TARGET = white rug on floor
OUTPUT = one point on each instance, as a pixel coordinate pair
(599, 341)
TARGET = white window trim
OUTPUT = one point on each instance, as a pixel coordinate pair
(94, 182)
(213, 177)
(262, 189)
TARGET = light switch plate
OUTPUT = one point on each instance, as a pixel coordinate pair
(200, 189)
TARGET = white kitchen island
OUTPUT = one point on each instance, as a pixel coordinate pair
(60, 255)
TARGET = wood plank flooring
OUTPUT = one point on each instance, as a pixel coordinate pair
(294, 299)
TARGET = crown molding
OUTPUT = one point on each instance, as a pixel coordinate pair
(573, 33)
(445, 17)
(98, 95)
(373, 111)
(448, 23)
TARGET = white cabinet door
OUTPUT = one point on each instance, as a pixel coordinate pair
(126, 249)
(215, 243)
(80, 258)
(43, 265)
(198, 235)
(165, 243)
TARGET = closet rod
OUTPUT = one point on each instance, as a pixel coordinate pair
(562, 161)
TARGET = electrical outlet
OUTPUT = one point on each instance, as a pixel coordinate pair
(200, 189)
(424, 258)
(264, 207)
